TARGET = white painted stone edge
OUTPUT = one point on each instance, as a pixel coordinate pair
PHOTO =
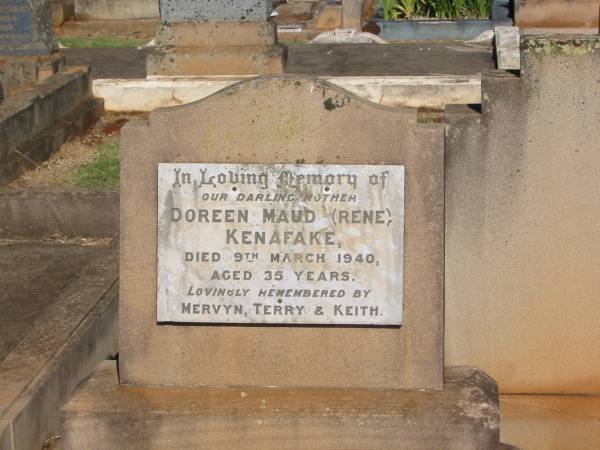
(145, 95)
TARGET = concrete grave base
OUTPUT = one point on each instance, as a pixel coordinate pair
(103, 414)
(216, 48)
(183, 61)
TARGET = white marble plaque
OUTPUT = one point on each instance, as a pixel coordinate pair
(280, 244)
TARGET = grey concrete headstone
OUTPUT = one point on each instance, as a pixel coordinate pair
(214, 10)
(26, 27)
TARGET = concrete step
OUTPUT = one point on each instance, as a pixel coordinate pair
(103, 414)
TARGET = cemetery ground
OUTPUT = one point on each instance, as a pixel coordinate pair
(59, 255)
(91, 160)
(56, 265)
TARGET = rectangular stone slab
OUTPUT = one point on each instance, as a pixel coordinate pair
(214, 11)
(281, 244)
(103, 414)
(287, 120)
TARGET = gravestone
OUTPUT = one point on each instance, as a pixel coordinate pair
(26, 27)
(215, 38)
(27, 44)
(323, 126)
(281, 253)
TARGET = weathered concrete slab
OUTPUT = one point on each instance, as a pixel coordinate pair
(218, 60)
(414, 59)
(105, 415)
(508, 51)
(341, 60)
(253, 122)
(33, 275)
(62, 347)
(216, 34)
(44, 212)
(194, 11)
(522, 208)
(416, 92)
(116, 9)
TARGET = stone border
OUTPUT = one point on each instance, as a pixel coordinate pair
(430, 30)
(416, 92)
(63, 347)
(64, 211)
(36, 122)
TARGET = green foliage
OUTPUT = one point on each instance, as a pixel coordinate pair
(440, 9)
(408, 8)
(103, 171)
(101, 42)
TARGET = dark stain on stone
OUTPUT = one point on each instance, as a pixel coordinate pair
(331, 103)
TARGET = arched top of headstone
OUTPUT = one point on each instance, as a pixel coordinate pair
(284, 90)
(274, 121)
(280, 116)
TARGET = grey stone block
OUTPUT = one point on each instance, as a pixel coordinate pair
(508, 55)
(43, 212)
(214, 10)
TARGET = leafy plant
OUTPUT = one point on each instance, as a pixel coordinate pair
(407, 8)
(388, 7)
(440, 9)
(482, 8)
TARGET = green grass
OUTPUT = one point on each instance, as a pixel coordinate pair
(101, 42)
(103, 171)
(288, 42)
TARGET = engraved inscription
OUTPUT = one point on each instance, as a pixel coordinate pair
(280, 244)
(15, 23)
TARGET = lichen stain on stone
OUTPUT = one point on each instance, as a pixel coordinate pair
(566, 46)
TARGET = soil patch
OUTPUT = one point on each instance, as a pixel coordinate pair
(77, 152)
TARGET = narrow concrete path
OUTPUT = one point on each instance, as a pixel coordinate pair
(33, 275)
(109, 62)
